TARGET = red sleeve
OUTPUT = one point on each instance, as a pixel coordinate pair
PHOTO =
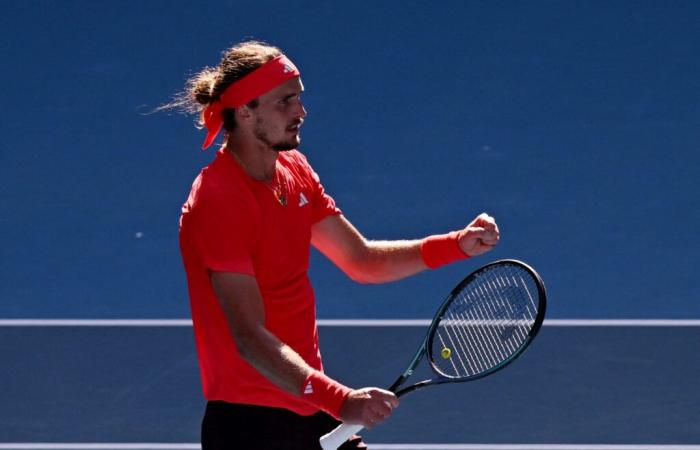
(323, 204)
(224, 231)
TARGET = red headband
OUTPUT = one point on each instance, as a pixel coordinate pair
(258, 82)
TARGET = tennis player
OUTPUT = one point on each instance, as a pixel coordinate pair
(245, 236)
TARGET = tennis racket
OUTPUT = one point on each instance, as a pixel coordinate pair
(485, 323)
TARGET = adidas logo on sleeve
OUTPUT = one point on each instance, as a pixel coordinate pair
(308, 389)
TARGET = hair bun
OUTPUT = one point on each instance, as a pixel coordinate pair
(202, 86)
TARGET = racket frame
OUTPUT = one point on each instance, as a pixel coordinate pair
(428, 340)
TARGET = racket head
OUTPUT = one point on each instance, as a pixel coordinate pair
(486, 322)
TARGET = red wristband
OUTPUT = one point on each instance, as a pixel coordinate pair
(324, 393)
(442, 249)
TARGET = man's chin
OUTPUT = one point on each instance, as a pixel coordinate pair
(286, 146)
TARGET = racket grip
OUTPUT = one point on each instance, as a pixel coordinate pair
(336, 438)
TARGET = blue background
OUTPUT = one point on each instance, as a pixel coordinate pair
(574, 123)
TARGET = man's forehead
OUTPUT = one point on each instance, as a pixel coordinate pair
(291, 86)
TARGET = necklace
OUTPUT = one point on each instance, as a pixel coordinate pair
(279, 187)
(274, 184)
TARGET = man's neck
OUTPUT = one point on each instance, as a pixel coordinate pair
(256, 159)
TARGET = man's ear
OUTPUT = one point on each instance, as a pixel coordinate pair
(243, 113)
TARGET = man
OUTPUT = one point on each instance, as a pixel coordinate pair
(245, 236)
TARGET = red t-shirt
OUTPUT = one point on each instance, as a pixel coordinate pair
(232, 223)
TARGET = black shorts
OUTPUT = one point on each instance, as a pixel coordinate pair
(229, 426)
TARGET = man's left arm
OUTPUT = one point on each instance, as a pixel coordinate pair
(367, 261)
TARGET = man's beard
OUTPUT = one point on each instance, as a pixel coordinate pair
(280, 146)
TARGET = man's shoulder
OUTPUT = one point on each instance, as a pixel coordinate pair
(294, 156)
(223, 174)
(296, 160)
(217, 183)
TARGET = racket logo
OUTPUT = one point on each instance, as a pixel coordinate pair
(516, 314)
(508, 332)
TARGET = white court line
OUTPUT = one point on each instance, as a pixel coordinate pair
(93, 446)
(95, 323)
(341, 322)
(530, 447)
(175, 446)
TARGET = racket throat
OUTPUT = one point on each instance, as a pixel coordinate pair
(399, 381)
(413, 387)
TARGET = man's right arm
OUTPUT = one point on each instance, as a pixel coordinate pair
(243, 307)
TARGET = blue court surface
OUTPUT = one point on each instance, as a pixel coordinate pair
(574, 123)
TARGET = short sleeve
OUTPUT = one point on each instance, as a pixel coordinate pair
(323, 204)
(223, 230)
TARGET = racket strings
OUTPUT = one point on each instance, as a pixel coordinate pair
(486, 322)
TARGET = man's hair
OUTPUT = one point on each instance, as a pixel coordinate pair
(207, 86)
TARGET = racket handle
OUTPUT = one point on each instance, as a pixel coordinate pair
(336, 438)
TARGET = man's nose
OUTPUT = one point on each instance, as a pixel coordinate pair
(302, 111)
